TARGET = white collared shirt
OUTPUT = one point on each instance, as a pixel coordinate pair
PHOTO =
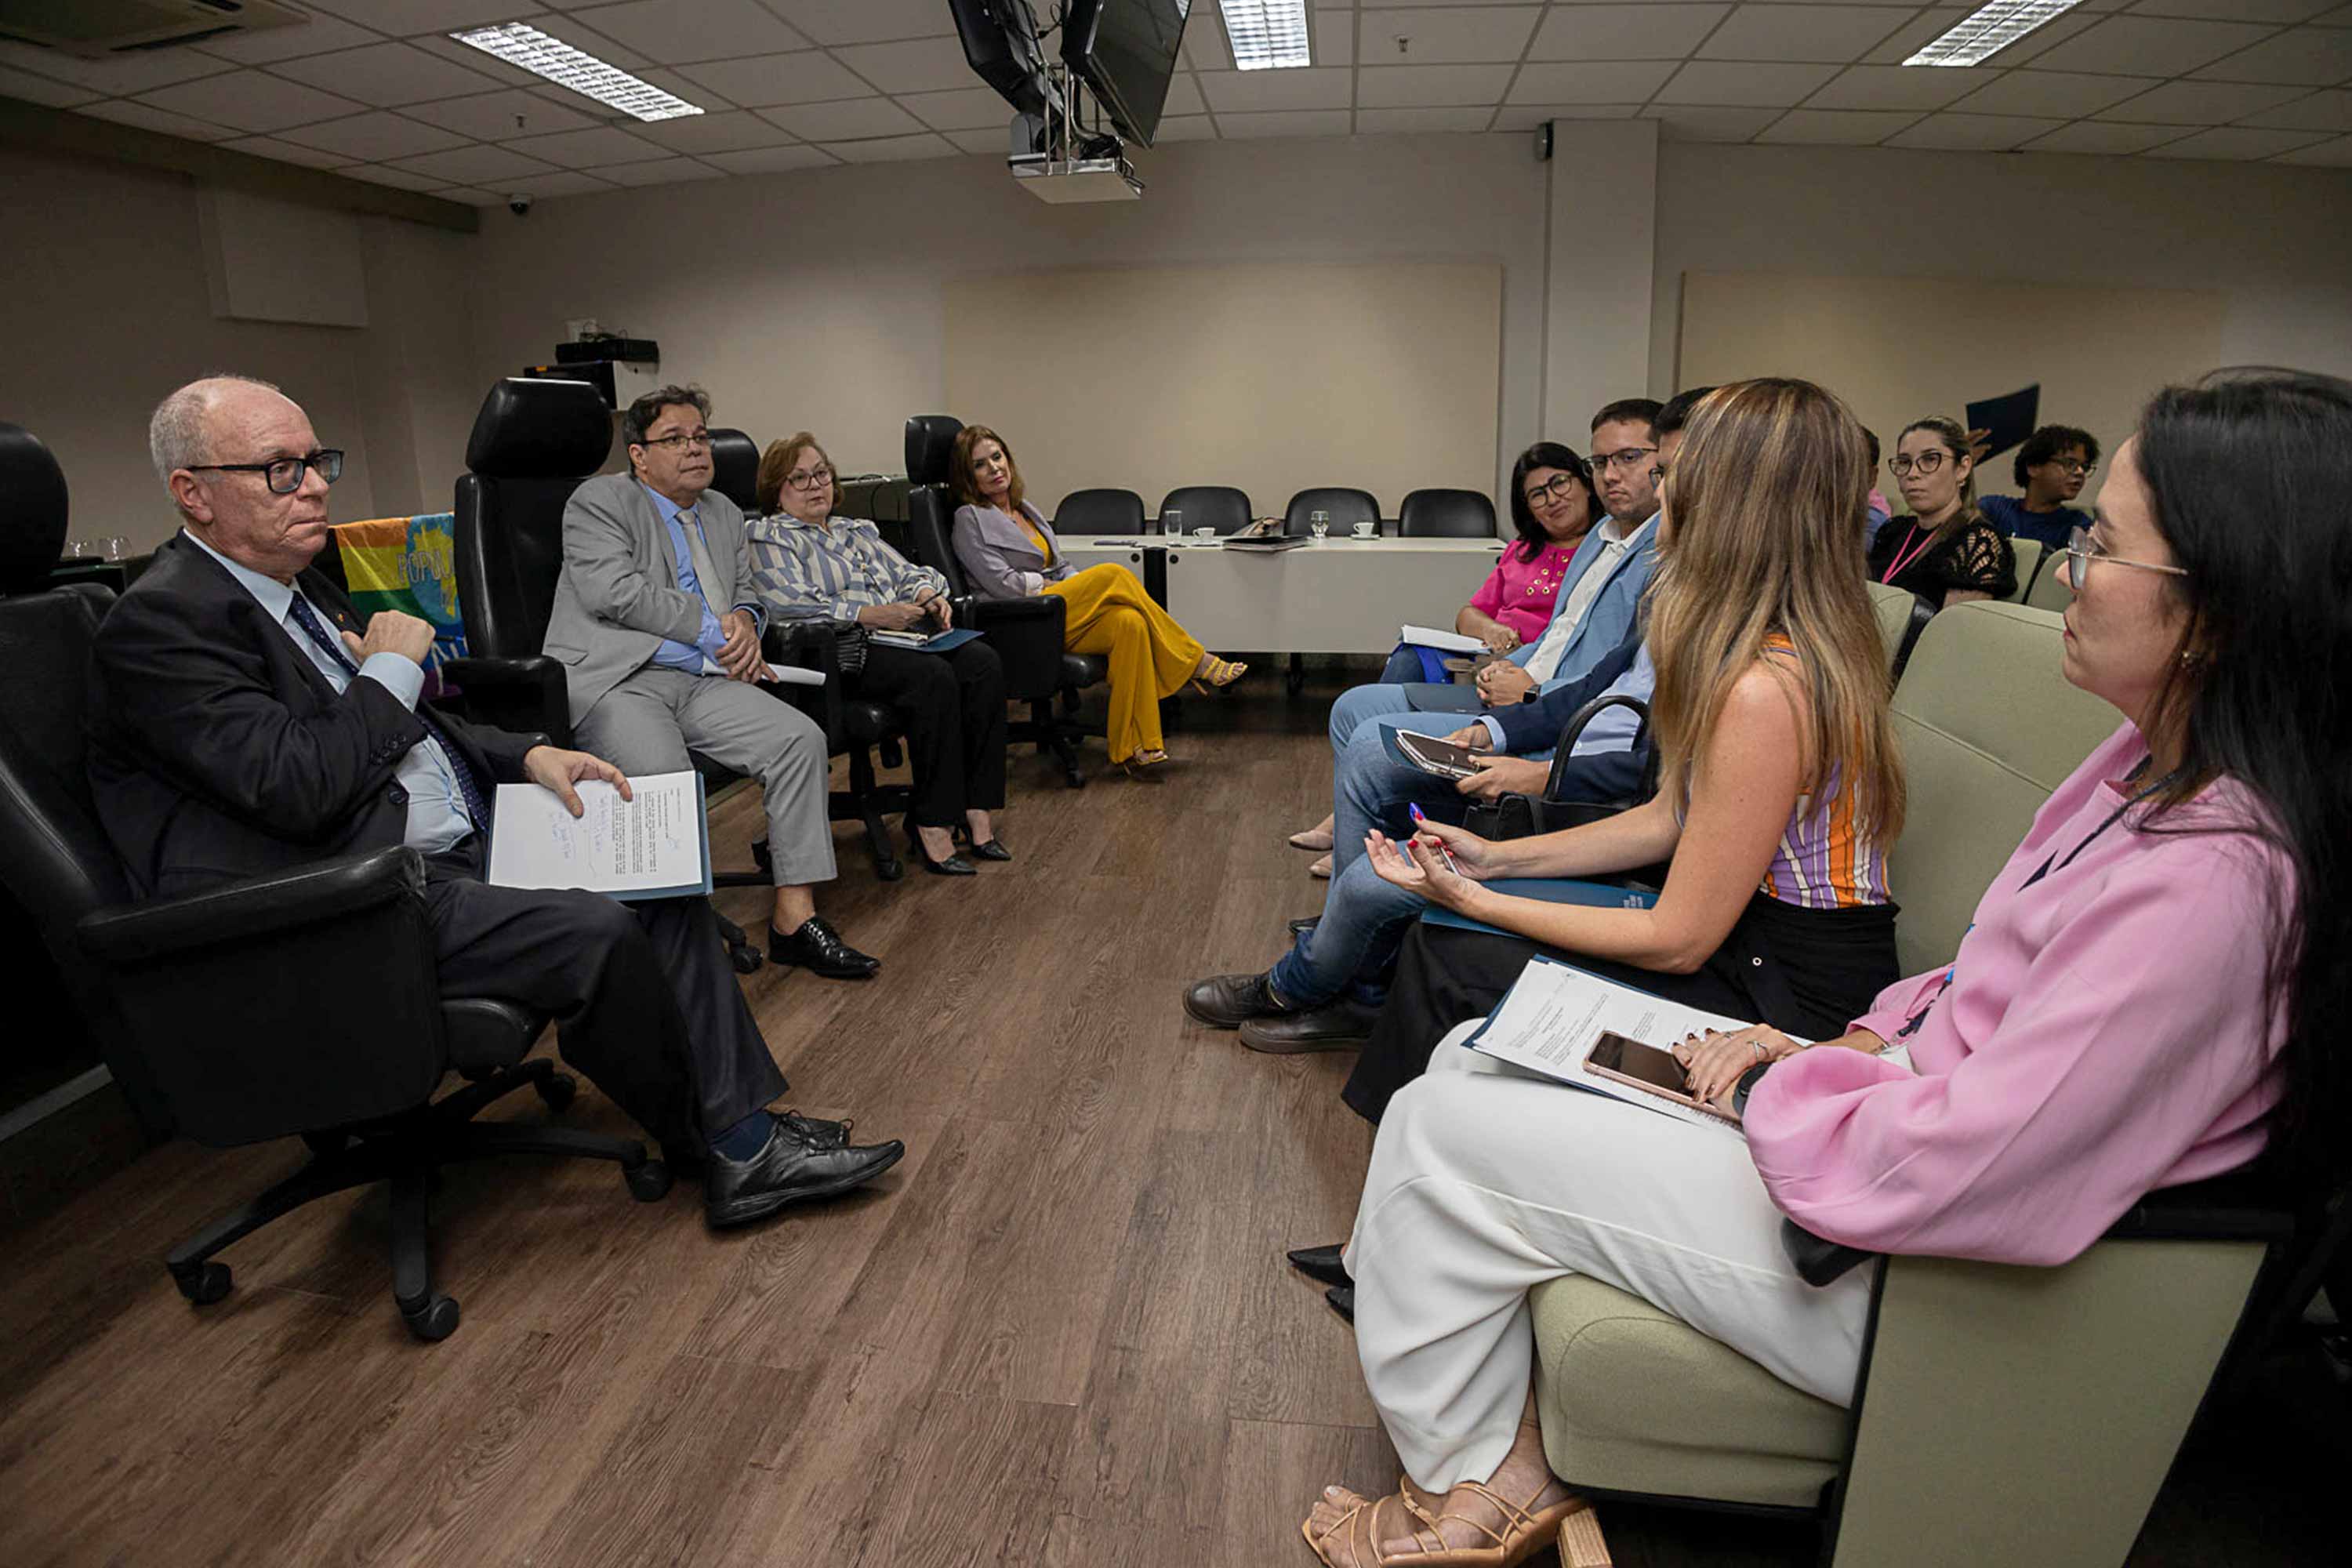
(1544, 663)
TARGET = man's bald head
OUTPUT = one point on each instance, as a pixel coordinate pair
(181, 436)
(237, 420)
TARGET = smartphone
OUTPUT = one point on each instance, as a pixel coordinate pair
(1432, 755)
(1645, 1067)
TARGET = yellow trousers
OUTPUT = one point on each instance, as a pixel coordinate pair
(1150, 655)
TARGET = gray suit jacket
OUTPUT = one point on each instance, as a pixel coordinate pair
(618, 596)
(998, 555)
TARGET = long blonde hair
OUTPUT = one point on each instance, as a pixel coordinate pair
(1762, 538)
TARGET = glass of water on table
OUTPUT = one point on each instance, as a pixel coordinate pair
(1171, 526)
(1318, 523)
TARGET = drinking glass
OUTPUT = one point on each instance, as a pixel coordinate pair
(1318, 523)
(1171, 524)
(117, 547)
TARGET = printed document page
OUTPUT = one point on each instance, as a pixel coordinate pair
(1448, 642)
(656, 845)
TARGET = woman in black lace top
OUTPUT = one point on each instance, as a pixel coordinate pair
(1943, 549)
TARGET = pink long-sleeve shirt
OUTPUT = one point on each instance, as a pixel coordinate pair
(1520, 592)
(2104, 1034)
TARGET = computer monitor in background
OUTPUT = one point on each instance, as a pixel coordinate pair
(1124, 50)
(1000, 43)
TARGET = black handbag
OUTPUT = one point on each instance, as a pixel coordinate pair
(1524, 816)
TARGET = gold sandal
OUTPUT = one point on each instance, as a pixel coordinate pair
(1219, 674)
(1524, 1533)
(1148, 767)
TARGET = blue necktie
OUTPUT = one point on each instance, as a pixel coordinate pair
(469, 794)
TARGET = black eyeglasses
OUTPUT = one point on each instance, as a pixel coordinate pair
(1926, 462)
(684, 439)
(809, 479)
(1560, 487)
(1625, 458)
(284, 475)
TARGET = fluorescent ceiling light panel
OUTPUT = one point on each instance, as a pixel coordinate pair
(1266, 35)
(519, 43)
(1988, 30)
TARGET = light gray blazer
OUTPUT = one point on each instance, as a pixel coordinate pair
(999, 556)
(618, 596)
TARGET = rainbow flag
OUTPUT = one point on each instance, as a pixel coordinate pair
(409, 564)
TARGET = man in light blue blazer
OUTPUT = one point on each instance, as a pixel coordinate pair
(1592, 616)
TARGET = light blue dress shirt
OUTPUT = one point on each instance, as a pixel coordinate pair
(701, 656)
(436, 814)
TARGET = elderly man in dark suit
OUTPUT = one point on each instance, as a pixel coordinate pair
(242, 721)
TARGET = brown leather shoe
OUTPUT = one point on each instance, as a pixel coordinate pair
(1337, 1026)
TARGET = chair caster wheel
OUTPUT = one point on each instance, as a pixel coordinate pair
(1074, 779)
(745, 958)
(890, 870)
(434, 1321)
(559, 1092)
(205, 1284)
(649, 1182)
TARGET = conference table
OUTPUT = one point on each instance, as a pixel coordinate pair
(1341, 594)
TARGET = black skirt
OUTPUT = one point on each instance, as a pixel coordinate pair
(1804, 972)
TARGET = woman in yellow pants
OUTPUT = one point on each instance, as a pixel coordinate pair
(1007, 551)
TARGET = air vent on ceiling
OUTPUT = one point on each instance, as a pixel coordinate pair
(97, 29)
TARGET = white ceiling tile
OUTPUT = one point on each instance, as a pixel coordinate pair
(804, 78)
(1290, 122)
(2339, 17)
(1605, 82)
(1896, 86)
(869, 21)
(2047, 37)
(2063, 93)
(2236, 10)
(669, 81)
(1838, 127)
(376, 175)
(386, 75)
(1527, 116)
(999, 143)
(287, 152)
(1445, 37)
(675, 31)
(2307, 57)
(474, 165)
(1701, 124)
(2335, 155)
(1974, 132)
(116, 74)
(587, 149)
(770, 160)
(969, 109)
(474, 59)
(316, 36)
(1308, 87)
(892, 148)
(562, 183)
(2150, 46)
(33, 88)
(610, 50)
(2099, 137)
(1389, 87)
(1383, 122)
(1743, 85)
(1904, 41)
(847, 121)
(1335, 37)
(1803, 32)
(376, 137)
(1190, 128)
(402, 17)
(2198, 103)
(729, 132)
(1184, 96)
(147, 116)
(919, 65)
(661, 172)
(1623, 32)
(490, 116)
(2237, 144)
(250, 100)
(2318, 111)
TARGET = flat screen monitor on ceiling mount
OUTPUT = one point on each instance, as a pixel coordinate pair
(1125, 51)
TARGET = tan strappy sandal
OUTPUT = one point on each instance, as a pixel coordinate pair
(1218, 673)
(1524, 1534)
(1353, 1539)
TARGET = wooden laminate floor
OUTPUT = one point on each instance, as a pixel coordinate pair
(1059, 1333)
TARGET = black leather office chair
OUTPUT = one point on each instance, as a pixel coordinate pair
(1347, 507)
(298, 1003)
(1220, 506)
(735, 469)
(1025, 633)
(1447, 514)
(1100, 511)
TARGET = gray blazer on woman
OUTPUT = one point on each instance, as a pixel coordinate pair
(1000, 558)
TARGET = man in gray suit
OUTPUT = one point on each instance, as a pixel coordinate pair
(657, 620)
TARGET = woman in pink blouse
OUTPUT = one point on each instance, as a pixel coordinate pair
(2143, 1000)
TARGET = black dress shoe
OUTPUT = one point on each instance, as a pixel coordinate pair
(1335, 1027)
(1321, 1264)
(1343, 1300)
(1226, 1001)
(789, 1170)
(816, 1130)
(1304, 924)
(954, 864)
(993, 849)
(818, 948)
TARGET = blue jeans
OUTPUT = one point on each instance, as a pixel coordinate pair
(1369, 789)
(1350, 952)
(1403, 665)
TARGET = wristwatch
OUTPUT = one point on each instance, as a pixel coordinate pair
(1746, 1086)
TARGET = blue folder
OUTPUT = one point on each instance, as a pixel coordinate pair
(1551, 891)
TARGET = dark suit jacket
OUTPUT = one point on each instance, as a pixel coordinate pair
(1537, 726)
(218, 750)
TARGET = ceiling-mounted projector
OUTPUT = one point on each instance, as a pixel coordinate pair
(1117, 57)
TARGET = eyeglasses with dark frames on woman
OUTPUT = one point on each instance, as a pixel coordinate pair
(284, 475)
(1926, 463)
(1558, 488)
(2082, 549)
(809, 479)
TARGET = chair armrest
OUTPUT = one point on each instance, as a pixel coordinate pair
(809, 645)
(529, 694)
(1027, 635)
(250, 908)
